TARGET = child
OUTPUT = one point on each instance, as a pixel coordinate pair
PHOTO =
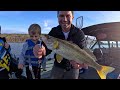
(27, 56)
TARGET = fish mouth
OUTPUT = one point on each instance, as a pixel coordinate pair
(44, 36)
(48, 40)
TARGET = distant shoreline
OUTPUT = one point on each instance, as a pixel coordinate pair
(14, 38)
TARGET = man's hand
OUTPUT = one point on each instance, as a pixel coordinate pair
(39, 52)
(77, 65)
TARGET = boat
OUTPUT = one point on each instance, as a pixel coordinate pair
(105, 46)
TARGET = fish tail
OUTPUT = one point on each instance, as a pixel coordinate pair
(104, 71)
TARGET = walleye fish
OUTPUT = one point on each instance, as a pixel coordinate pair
(72, 51)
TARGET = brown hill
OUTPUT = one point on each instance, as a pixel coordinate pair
(15, 37)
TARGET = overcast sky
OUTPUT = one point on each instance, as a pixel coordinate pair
(19, 21)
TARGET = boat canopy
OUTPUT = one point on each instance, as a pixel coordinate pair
(104, 32)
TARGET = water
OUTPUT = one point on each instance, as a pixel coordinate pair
(16, 48)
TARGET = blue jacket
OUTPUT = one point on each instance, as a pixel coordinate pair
(29, 56)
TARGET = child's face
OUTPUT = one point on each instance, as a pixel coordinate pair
(34, 37)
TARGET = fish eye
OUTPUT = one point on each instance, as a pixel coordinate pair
(49, 37)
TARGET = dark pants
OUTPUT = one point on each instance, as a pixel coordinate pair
(60, 73)
(4, 74)
(18, 72)
(36, 71)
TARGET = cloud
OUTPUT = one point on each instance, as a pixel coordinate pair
(47, 25)
(46, 30)
(47, 22)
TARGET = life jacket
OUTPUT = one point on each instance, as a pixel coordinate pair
(4, 56)
(29, 56)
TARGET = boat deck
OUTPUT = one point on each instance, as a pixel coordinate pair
(46, 74)
(89, 73)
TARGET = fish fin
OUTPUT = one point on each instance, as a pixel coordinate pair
(56, 44)
(104, 71)
(59, 58)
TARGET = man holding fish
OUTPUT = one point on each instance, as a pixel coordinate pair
(63, 68)
(68, 42)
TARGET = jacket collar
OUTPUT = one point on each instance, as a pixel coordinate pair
(73, 30)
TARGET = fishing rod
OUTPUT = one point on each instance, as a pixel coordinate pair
(39, 59)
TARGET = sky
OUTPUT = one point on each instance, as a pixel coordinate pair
(19, 21)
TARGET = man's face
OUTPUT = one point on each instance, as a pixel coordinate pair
(65, 19)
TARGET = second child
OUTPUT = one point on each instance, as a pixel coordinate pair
(27, 57)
